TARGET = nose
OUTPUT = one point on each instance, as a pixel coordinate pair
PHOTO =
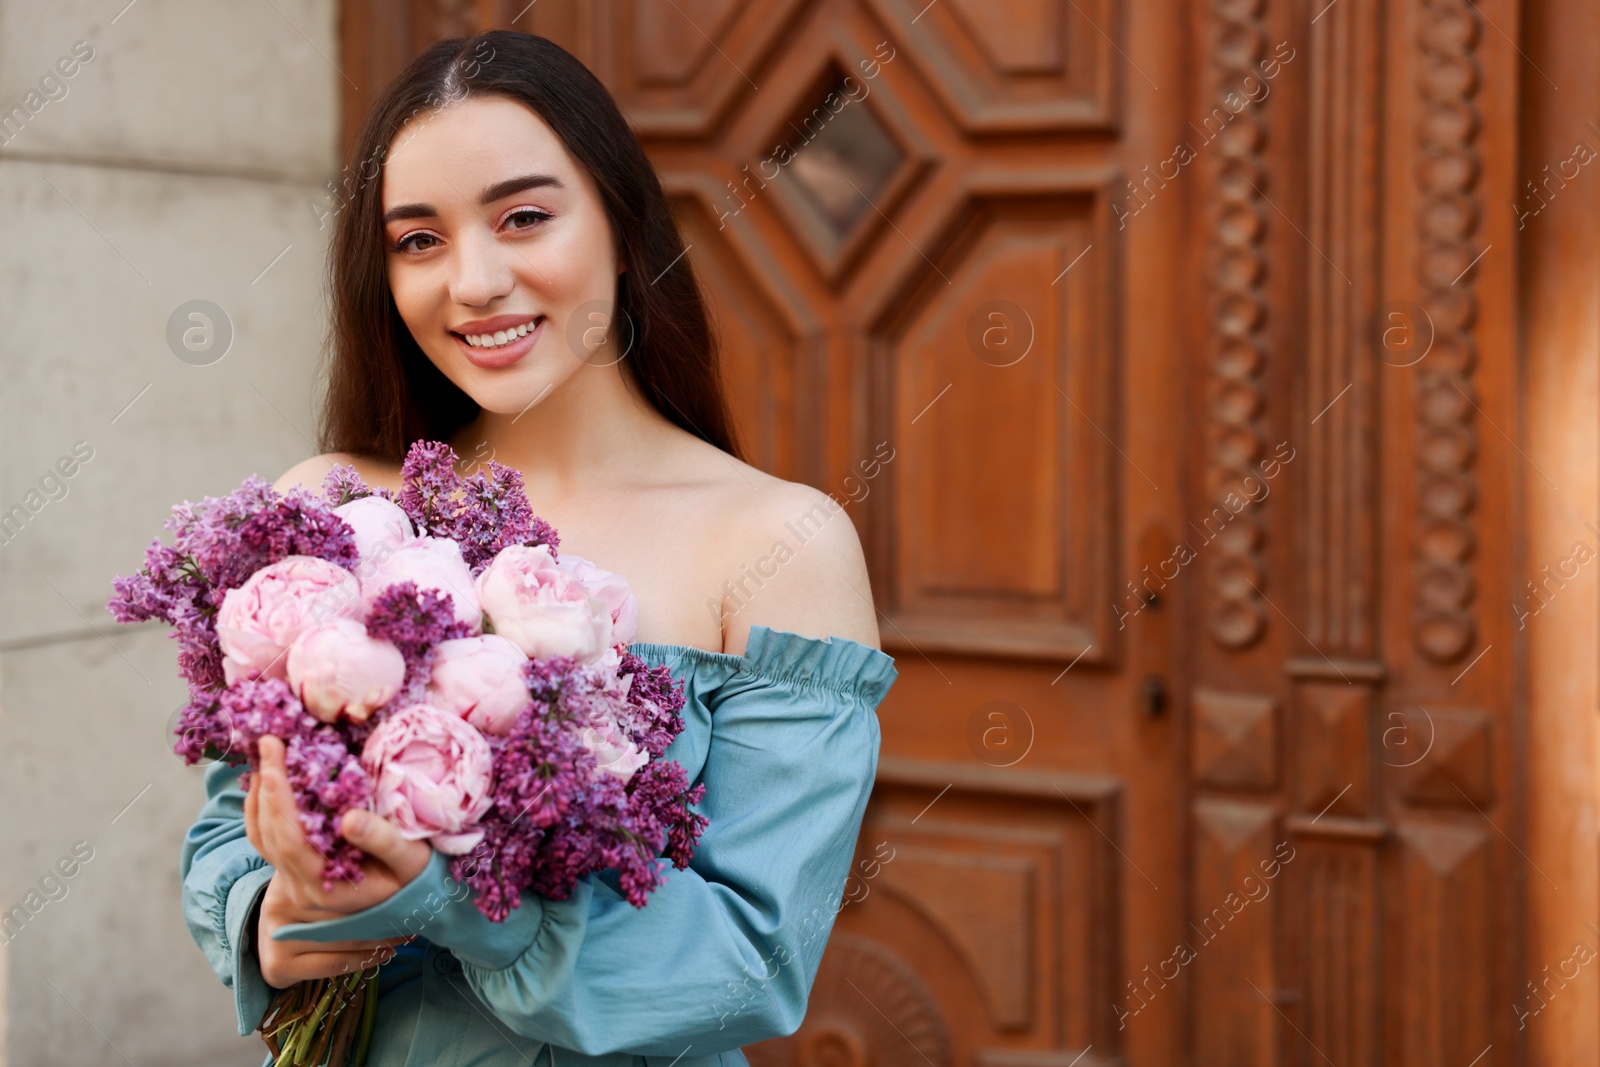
(479, 271)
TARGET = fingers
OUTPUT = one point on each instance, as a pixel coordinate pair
(370, 948)
(265, 807)
(283, 963)
(382, 840)
(252, 807)
(281, 974)
(279, 813)
(275, 830)
(285, 843)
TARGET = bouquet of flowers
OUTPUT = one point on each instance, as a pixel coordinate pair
(427, 656)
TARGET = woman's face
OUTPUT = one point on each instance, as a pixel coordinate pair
(494, 230)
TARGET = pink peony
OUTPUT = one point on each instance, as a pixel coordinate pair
(336, 668)
(613, 750)
(611, 590)
(380, 526)
(539, 606)
(433, 563)
(259, 620)
(431, 774)
(480, 679)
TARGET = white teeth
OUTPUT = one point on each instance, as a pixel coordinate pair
(499, 337)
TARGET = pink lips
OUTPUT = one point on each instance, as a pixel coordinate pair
(505, 356)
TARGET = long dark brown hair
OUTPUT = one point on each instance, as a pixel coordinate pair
(383, 393)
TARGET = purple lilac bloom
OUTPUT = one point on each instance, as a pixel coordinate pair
(325, 775)
(652, 715)
(218, 544)
(483, 513)
(342, 484)
(556, 820)
(430, 480)
(414, 622)
(496, 515)
(204, 731)
(256, 707)
(328, 780)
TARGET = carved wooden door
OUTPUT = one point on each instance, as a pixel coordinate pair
(905, 214)
(1165, 449)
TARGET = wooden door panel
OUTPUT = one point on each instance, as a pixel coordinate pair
(1236, 906)
(996, 532)
(1017, 64)
(1337, 689)
(677, 68)
(994, 885)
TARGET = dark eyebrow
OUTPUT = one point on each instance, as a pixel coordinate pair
(497, 191)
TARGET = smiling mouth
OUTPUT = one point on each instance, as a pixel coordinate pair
(500, 339)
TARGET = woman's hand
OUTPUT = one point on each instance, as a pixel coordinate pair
(295, 893)
(283, 963)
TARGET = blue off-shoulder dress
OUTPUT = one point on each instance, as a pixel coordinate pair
(785, 738)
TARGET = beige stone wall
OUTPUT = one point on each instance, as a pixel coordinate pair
(178, 162)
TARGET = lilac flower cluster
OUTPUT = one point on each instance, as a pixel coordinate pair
(326, 776)
(414, 621)
(482, 513)
(554, 819)
(555, 815)
(219, 543)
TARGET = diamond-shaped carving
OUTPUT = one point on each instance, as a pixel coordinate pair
(841, 163)
(1225, 827)
(1236, 740)
(843, 157)
(1444, 847)
(689, 28)
(1016, 36)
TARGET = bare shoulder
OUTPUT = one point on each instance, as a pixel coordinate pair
(790, 559)
(310, 472)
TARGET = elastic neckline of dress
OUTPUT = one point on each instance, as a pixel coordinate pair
(835, 664)
(753, 644)
(639, 648)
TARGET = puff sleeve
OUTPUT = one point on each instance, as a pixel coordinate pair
(223, 878)
(725, 952)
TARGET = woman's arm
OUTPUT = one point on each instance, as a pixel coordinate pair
(223, 879)
(725, 952)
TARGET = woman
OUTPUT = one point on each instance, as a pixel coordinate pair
(506, 276)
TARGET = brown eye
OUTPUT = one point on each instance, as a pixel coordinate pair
(532, 216)
(404, 244)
